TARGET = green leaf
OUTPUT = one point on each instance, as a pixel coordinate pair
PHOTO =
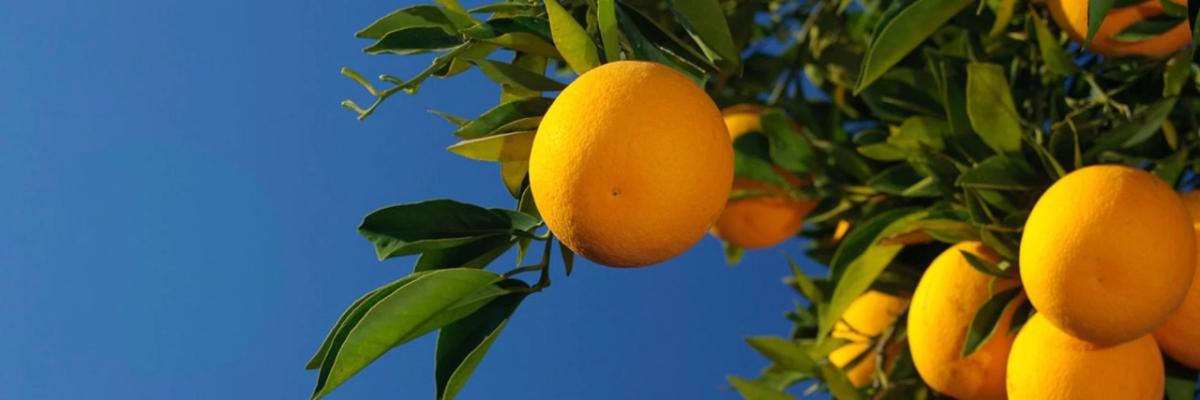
(1172, 167)
(839, 384)
(503, 114)
(751, 160)
(571, 39)
(898, 35)
(414, 40)
(508, 74)
(1097, 11)
(476, 254)
(755, 390)
(1179, 68)
(783, 352)
(1181, 380)
(513, 174)
(453, 119)
(1000, 172)
(999, 269)
(804, 284)
(1173, 9)
(987, 319)
(882, 152)
(920, 132)
(902, 180)
(429, 225)
(1053, 55)
(705, 22)
(512, 146)
(496, 27)
(432, 300)
(990, 107)
(651, 41)
(352, 315)
(1130, 133)
(410, 17)
(463, 344)
(606, 17)
(1148, 28)
(733, 254)
(862, 267)
(788, 148)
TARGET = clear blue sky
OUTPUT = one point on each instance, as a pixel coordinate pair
(180, 193)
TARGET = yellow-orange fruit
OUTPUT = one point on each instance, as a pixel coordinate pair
(759, 221)
(1179, 335)
(1108, 252)
(867, 317)
(942, 308)
(1049, 364)
(631, 164)
(1072, 17)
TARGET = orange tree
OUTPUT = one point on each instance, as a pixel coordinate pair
(908, 142)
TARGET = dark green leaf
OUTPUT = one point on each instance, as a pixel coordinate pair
(1000, 172)
(987, 320)
(899, 180)
(990, 107)
(755, 390)
(463, 344)
(751, 160)
(788, 148)
(839, 384)
(1181, 380)
(920, 132)
(1097, 11)
(503, 114)
(1179, 68)
(783, 352)
(515, 76)
(352, 315)
(994, 269)
(1173, 9)
(571, 39)
(432, 300)
(733, 254)
(476, 254)
(429, 225)
(705, 21)
(1133, 132)
(499, 26)
(568, 257)
(414, 40)
(898, 35)
(1148, 28)
(410, 17)
(454, 119)
(804, 284)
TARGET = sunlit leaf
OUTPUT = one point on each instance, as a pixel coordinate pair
(986, 322)
(503, 114)
(463, 344)
(899, 32)
(429, 225)
(409, 17)
(990, 107)
(754, 390)
(413, 41)
(571, 39)
(705, 21)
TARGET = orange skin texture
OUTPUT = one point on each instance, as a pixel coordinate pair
(945, 302)
(631, 165)
(1107, 253)
(1179, 335)
(1071, 16)
(1047, 363)
(867, 317)
(763, 221)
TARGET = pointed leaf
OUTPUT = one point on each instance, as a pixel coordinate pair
(477, 254)
(571, 39)
(990, 107)
(413, 41)
(513, 146)
(898, 35)
(504, 114)
(352, 315)
(606, 18)
(432, 300)
(1097, 11)
(463, 344)
(755, 390)
(1000, 173)
(987, 320)
(788, 148)
(568, 257)
(429, 225)
(415, 16)
(1053, 55)
(515, 76)
(783, 352)
(705, 21)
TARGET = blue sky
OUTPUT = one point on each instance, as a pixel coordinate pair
(180, 197)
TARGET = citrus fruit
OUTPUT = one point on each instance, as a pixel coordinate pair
(770, 215)
(1179, 335)
(866, 318)
(943, 306)
(1107, 253)
(1072, 17)
(631, 164)
(1047, 363)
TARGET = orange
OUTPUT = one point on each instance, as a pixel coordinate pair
(865, 319)
(759, 221)
(631, 164)
(1049, 364)
(943, 306)
(1071, 16)
(1179, 335)
(1108, 252)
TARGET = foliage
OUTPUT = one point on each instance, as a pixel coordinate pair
(943, 117)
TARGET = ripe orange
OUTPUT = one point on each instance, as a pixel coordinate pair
(943, 306)
(866, 318)
(1071, 16)
(1108, 253)
(760, 221)
(1179, 335)
(1047, 363)
(631, 164)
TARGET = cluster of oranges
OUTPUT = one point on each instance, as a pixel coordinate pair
(1108, 257)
